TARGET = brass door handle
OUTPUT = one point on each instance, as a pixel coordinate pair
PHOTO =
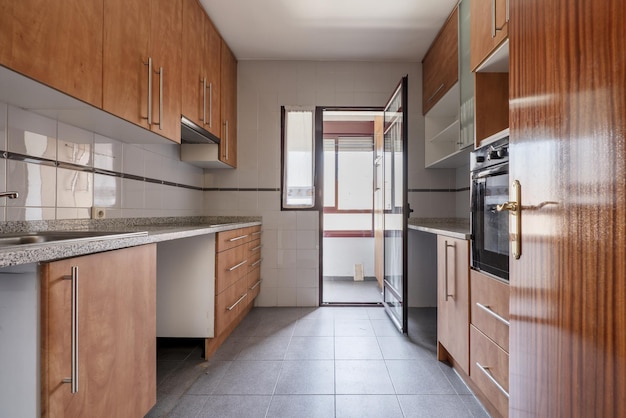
(514, 206)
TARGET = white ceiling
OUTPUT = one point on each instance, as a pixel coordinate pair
(329, 30)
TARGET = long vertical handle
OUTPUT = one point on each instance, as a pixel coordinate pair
(160, 98)
(493, 18)
(226, 152)
(203, 81)
(210, 105)
(446, 269)
(149, 64)
(74, 335)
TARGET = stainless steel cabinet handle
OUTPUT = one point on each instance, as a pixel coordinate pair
(160, 98)
(485, 370)
(492, 313)
(257, 233)
(210, 105)
(256, 263)
(238, 238)
(256, 284)
(74, 335)
(203, 100)
(435, 93)
(149, 64)
(257, 247)
(226, 151)
(448, 295)
(236, 266)
(230, 308)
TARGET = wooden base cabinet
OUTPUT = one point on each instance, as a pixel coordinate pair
(453, 301)
(237, 280)
(110, 355)
(489, 341)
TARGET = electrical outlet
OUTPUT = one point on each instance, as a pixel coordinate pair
(98, 213)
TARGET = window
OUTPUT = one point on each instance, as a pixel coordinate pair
(298, 158)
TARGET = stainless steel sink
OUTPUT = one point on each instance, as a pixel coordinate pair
(43, 237)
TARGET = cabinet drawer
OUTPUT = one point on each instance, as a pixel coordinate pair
(253, 253)
(494, 367)
(229, 239)
(230, 266)
(254, 282)
(226, 307)
(490, 307)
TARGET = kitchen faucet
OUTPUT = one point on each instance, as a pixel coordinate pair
(10, 195)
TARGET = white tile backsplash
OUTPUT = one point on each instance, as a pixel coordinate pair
(31, 134)
(49, 192)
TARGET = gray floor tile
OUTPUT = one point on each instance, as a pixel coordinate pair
(320, 313)
(459, 386)
(475, 407)
(183, 377)
(229, 406)
(307, 377)
(385, 328)
(324, 327)
(188, 406)
(264, 348)
(367, 406)
(402, 348)
(311, 348)
(357, 348)
(165, 369)
(418, 377)
(353, 328)
(230, 349)
(249, 378)
(208, 381)
(377, 312)
(362, 377)
(165, 403)
(428, 406)
(351, 313)
(337, 291)
(302, 406)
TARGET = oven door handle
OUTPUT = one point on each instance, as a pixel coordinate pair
(501, 169)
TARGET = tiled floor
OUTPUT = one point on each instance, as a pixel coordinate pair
(340, 290)
(314, 362)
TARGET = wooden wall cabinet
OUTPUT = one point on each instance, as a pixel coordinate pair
(142, 63)
(489, 28)
(58, 43)
(201, 84)
(228, 144)
(116, 316)
(440, 66)
(489, 341)
(453, 301)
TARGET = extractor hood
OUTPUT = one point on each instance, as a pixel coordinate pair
(190, 133)
(198, 146)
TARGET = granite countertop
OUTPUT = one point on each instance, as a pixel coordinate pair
(157, 230)
(451, 227)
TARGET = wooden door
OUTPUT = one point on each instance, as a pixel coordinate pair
(193, 103)
(228, 144)
(166, 49)
(453, 300)
(485, 33)
(568, 150)
(116, 330)
(213, 71)
(125, 69)
(58, 43)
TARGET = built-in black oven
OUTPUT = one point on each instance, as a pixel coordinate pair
(489, 166)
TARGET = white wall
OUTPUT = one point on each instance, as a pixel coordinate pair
(341, 254)
(290, 251)
(48, 192)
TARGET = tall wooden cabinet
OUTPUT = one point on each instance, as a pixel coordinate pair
(114, 294)
(142, 63)
(228, 144)
(453, 301)
(58, 43)
(201, 84)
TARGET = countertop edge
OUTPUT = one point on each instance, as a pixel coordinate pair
(451, 227)
(17, 255)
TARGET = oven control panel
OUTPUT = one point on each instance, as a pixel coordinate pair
(495, 153)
